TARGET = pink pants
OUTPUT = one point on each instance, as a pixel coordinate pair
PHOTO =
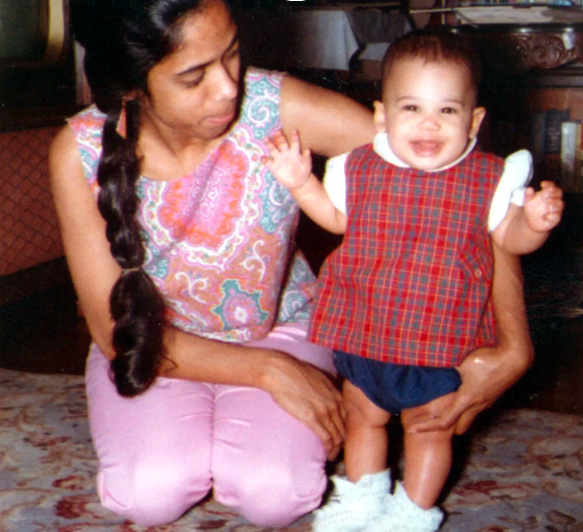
(162, 452)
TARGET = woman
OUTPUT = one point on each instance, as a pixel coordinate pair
(180, 245)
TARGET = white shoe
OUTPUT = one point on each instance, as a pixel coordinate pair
(403, 515)
(353, 504)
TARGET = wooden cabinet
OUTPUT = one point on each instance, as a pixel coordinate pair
(531, 75)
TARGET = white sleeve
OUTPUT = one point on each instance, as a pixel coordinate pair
(515, 178)
(335, 181)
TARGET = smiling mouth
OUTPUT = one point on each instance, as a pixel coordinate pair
(426, 148)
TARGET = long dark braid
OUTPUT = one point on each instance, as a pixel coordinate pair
(124, 39)
(135, 303)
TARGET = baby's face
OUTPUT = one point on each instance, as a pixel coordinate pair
(428, 111)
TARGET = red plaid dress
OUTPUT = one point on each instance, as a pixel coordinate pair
(410, 283)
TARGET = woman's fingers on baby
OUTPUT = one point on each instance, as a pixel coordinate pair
(329, 441)
(336, 423)
(326, 422)
(334, 436)
(330, 417)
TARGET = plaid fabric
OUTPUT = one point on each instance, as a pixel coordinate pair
(411, 282)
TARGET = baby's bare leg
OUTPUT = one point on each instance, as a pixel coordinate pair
(365, 451)
(427, 455)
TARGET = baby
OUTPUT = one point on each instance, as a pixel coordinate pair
(406, 296)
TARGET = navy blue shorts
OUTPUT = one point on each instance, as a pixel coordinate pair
(395, 387)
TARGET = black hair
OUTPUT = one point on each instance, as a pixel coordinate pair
(435, 45)
(123, 41)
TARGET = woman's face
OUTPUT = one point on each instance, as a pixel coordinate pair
(194, 90)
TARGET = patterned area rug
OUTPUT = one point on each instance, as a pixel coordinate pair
(523, 470)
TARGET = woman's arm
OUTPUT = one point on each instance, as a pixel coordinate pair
(302, 390)
(488, 372)
(329, 123)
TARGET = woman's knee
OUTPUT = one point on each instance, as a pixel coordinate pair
(152, 494)
(272, 496)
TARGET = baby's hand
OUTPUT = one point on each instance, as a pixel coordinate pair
(543, 209)
(288, 163)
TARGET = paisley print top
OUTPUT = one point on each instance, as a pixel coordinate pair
(220, 240)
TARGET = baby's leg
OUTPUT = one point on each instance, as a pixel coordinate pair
(365, 450)
(427, 455)
(361, 497)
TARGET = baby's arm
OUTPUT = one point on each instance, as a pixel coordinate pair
(292, 167)
(525, 229)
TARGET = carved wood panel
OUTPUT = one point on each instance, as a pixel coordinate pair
(547, 50)
(534, 47)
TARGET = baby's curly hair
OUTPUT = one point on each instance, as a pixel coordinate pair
(434, 46)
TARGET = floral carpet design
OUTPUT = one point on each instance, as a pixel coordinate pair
(523, 470)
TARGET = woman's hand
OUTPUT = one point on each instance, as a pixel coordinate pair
(301, 389)
(307, 394)
(488, 372)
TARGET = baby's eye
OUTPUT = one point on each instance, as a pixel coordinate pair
(411, 108)
(449, 111)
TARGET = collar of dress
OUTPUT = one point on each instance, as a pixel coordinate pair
(382, 148)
